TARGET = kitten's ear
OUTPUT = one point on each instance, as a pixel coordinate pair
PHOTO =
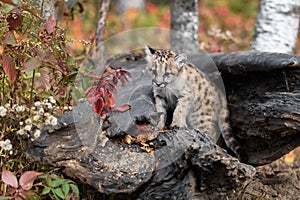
(180, 60)
(149, 52)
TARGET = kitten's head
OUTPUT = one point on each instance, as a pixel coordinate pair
(164, 65)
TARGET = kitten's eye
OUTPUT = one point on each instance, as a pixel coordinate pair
(167, 74)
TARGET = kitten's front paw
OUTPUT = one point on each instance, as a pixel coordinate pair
(178, 126)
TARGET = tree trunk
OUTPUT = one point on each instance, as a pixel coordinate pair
(101, 21)
(276, 26)
(184, 25)
(125, 5)
(97, 57)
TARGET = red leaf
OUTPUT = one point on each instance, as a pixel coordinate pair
(115, 80)
(9, 178)
(50, 24)
(110, 99)
(98, 106)
(9, 67)
(15, 19)
(8, 2)
(62, 64)
(123, 80)
(112, 87)
(27, 179)
(31, 64)
(90, 94)
(45, 79)
(121, 108)
(25, 194)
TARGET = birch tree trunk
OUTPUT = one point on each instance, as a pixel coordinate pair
(184, 23)
(276, 26)
(125, 5)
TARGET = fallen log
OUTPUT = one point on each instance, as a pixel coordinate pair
(184, 164)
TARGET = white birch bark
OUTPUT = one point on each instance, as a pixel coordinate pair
(276, 26)
(184, 23)
(126, 4)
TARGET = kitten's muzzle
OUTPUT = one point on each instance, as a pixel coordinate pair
(161, 85)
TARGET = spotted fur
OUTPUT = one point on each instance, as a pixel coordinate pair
(196, 101)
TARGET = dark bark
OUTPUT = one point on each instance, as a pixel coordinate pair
(253, 61)
(185, 164)
(263, 97)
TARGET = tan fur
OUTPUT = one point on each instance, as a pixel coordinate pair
(197, 102)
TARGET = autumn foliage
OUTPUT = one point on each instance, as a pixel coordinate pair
(101, 94)
(21, 189)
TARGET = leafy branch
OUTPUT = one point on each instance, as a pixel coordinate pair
(101, 94)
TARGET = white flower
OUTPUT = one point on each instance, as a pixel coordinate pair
(47, 114)
(6, 145)
(52, 100)
(20, 108)
(51, 120)
(21, 132)
(47, 121)
(3, 111)
(37, 133)
(21, 123)
(41, 111)
(36, 117)
(28, 121)
(27, 127)
(37, 104)
(49, 105)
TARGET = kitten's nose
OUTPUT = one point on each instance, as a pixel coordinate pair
(159, 84)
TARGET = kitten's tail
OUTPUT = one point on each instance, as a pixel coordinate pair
(230, 140)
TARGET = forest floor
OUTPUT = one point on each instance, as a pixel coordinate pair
(278, 180)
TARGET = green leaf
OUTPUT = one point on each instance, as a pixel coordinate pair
(59, 193)
(77, 93)
(66, 188)
(5, 198)
(49, 180)
(10, 38)
(46, 190)
(56, 183)
(74, 188)
(43, 176)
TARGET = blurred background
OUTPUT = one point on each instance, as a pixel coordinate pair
(224, 25)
